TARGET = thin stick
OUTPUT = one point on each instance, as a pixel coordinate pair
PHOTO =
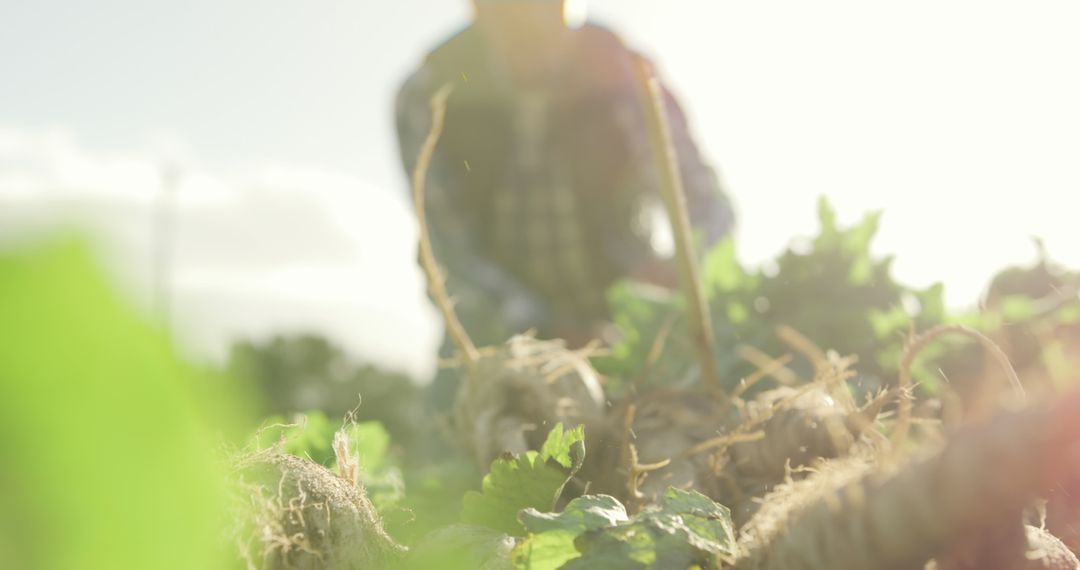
(799, 342)
(763, 360)
(903, 416)
(723, 442)
(769, 369)
(671, 190)
(435, 279)
(657, 348)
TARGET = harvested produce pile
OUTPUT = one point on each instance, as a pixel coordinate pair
(666, 463)
(301, 515)
(813, 482)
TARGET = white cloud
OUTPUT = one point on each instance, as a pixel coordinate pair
(264, 249)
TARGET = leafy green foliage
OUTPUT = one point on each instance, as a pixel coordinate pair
(433, 498)
(311, 435)
(462, 547)
(831, 289)
(1032, 312)
(303, 435)
(582, 514)
(532, 480)
(685, 530)
(372, 444)
(302, 374)
(552, 535)
(380, 474)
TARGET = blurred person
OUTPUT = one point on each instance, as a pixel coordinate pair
(542, 185)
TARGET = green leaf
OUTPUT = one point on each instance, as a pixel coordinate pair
(564, 446)
(372, 444)
(709, 523)
(687, 529)
(1069, 315)
(737, 313)
(433, 500)
(546, 551)
(857, 239)
(551, 543)
(533, 480)
(861, 273)
(932, 304)
(721, 270)
(581, 514)
(307, 435)
(379, 473)
(827, 218)
(107, 461)
(462, 547)
(886, 323)
(1018, 308)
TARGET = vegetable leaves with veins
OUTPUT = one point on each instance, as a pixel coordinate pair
(532, 480)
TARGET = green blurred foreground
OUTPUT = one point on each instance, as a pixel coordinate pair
(107, 462)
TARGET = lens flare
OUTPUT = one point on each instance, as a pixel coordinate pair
(575, 13)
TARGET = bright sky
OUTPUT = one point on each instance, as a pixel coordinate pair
(957, 117)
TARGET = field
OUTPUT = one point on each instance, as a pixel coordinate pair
(813, 414)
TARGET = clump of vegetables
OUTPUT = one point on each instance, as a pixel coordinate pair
(295, 513)
(812, 475)
(875, 513)
(522, 389)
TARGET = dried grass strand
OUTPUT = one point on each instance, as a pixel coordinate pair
(916, 345)
(762, 359)
(674, 197)
(768, 369)
(436, 281)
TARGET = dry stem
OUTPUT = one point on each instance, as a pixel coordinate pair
(762, 360)
(799, 342)
(656, 350)
(671, 190)
(916, 345)
(436, 280)
(769, 368)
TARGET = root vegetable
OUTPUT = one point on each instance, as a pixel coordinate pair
(1063, 514)
(1011, 546)
(520, 391)
(734, 454)
(812, 426)
(296, 514)
(666, 426)
(869, 518)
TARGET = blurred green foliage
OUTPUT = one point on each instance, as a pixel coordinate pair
(107, 459)
(534, 479)
(686, 530)
(551, 535)
(299, 374)
(832, 289)
(311, 436)
(842, 297)
(489, 523)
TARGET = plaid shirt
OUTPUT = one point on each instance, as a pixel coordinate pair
(537, 257)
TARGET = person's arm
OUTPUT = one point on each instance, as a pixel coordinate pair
(476, 282)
